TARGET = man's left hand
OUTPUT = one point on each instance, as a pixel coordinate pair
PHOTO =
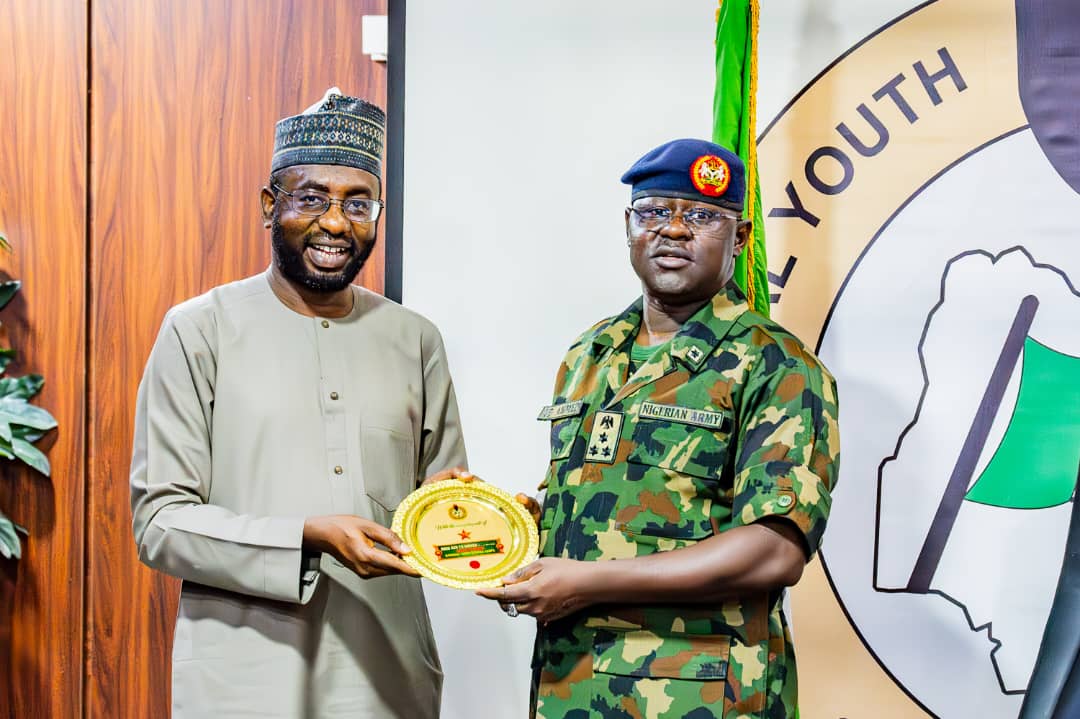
(548, 589)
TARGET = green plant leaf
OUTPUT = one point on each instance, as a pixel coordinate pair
(28, 433)
(23, 387)
(19, 411)
(5, 431)
(7, 291)
(6, 355)
(10, 546)
(6, 450)
(31, 455)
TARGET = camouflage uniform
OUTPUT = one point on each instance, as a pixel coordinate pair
(733, 422)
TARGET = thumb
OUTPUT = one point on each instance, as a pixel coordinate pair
(525, 573)
(530, 504)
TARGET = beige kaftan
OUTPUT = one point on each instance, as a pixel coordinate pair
(251, 417)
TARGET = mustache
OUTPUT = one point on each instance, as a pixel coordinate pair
(669, 250)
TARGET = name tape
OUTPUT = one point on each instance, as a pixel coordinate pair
(684, 415)
(561, 411)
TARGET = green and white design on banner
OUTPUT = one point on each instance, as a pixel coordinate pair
(1035, 465)
(998, 560)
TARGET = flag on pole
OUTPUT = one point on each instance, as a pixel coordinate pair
(734, 120)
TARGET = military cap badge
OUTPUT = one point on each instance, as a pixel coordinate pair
(691, 169)
(710, 175)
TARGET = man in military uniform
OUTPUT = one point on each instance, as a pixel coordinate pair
(694, 444)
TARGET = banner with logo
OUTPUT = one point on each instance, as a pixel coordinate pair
(922, 201)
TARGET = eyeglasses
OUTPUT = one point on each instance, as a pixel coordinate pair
(314, 203)
(696, 218)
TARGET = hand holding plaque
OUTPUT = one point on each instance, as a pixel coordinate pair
(465, 535)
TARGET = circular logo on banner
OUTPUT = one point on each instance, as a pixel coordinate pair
(899, 248)
(710, 175)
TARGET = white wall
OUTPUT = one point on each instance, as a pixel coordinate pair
(519, 120)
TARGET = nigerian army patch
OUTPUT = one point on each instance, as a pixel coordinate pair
(685, 415)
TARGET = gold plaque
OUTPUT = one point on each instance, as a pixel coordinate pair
(465, 535)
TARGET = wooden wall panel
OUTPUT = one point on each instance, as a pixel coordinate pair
(43, 213)
(185, 96)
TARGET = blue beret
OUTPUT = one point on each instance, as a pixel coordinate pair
(691, 170)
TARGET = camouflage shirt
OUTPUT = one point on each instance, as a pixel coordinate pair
(733, 421)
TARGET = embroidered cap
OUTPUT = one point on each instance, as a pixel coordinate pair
(691, 170)
(338, 130)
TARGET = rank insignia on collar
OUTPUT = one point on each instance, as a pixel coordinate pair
(694, 354)
(604, 439)
(710, 175)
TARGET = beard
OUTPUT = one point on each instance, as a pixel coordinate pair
(290, 261)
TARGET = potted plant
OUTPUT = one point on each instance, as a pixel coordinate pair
(21, 423)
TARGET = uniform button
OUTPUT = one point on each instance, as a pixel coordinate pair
(333, 395)
(784, 500)
(338, 469)
(325, 323)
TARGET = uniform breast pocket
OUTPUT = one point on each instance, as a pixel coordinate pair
(673, 478)
(563, 434)
(388, 455)
(565, 418)
(685, 448)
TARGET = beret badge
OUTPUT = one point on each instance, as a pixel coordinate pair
(710, 175)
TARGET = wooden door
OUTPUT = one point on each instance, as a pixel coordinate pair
(43, 213)
(185, 96)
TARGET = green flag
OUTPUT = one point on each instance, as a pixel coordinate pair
(1035, 465)
(734, 115)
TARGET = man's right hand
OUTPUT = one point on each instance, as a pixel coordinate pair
(458, 473)
(351, 540)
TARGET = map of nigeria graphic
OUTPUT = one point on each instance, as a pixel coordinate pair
(975, 503)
